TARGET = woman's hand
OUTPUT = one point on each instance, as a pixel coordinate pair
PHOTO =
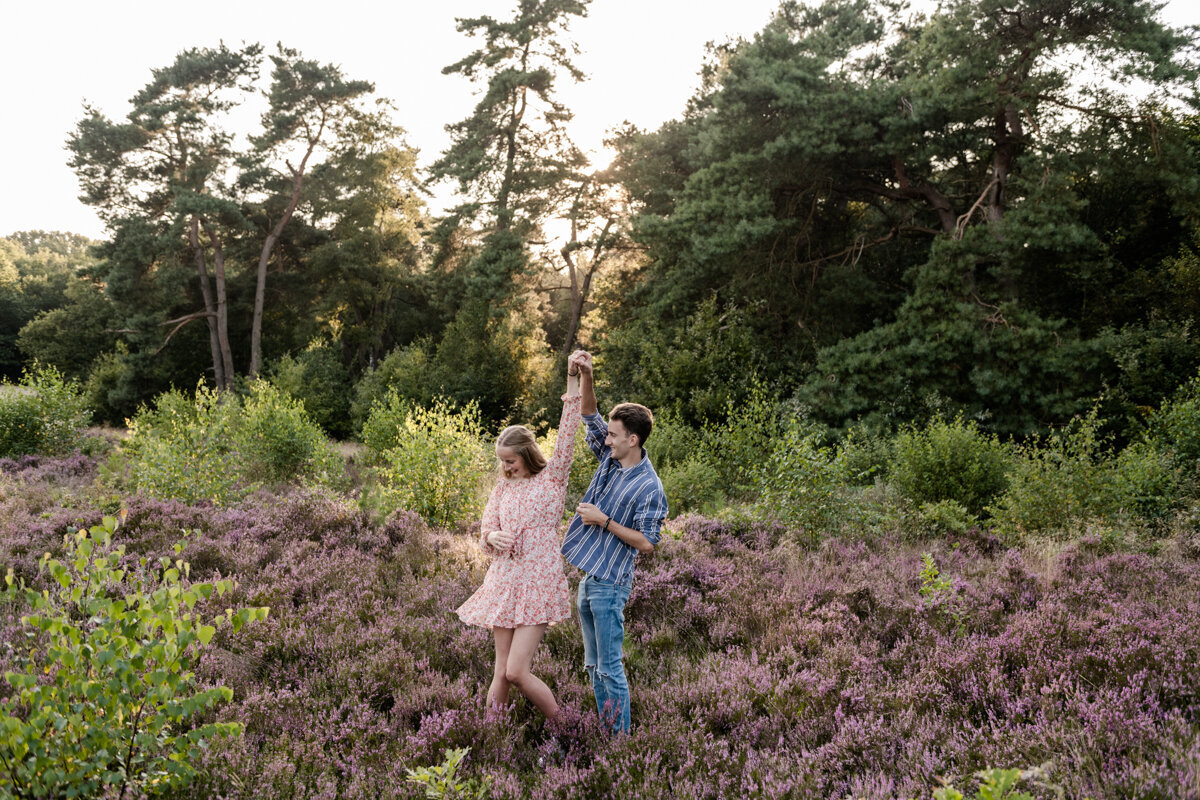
(500, 540)
(579, 362)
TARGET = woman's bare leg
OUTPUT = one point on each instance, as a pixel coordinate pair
(497, 696)
(524, 643)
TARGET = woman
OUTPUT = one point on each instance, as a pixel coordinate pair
(525, 590)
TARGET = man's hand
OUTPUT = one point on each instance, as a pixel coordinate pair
(580, 360)
(500, 540)
(591, 515)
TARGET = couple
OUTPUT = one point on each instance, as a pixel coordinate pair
(525, 589)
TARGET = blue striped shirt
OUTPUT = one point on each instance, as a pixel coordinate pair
(632, 496)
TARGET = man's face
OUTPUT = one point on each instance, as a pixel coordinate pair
(620, 440)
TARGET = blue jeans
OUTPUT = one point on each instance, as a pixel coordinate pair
(602, 618)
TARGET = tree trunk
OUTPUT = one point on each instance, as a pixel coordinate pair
(222, 306)
(264, 258)
(579, 294)
(206, 292)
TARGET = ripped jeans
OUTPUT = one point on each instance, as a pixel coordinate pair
(602, 618)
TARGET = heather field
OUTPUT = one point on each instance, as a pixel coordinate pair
(765, 662)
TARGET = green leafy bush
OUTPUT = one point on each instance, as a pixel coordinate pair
(278, 439)
(695, 368)
(737, 446)
(864, 455)
(105, 698)
(404, 372)
(1059, 482)
(318, 378)
(673, 441)
(41, 414)
(944, 517)
(692, 484)
(1146, 481)
(218, 447)
(1175, 427)
(949, 460)
(183, 448)
(428, 460)
(442, 782)
(799, 483)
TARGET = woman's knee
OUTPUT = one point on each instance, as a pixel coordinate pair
(516, 674)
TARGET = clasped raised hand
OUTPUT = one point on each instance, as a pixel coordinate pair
(580, 360)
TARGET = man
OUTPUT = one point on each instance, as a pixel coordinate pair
(621, 516)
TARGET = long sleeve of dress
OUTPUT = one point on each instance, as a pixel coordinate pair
(559, 466)
(491, 517)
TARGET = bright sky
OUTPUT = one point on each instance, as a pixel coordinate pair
(641, 56)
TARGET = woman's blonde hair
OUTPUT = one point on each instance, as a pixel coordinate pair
(520, 440)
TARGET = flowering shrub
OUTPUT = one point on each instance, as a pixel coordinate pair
(759, 667)
(41, 414)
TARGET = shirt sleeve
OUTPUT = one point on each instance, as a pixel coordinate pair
(597, 431)
(559, 466)
(491, 517)
(651, 512)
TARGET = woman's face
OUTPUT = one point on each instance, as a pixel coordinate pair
(512, 463)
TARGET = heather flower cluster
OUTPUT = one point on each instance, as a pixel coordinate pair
(760, 667)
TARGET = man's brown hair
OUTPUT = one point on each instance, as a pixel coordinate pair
(637, 419)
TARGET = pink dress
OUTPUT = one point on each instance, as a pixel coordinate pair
(527, 585)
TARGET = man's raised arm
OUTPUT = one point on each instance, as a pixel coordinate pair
(582, 360)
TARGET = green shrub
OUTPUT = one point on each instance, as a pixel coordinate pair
(319, 379)
(41, 414)
(737, 446)
(1059, 482)
(183, 448)
(105, 698)
(692, 485)
(1146, 481)
(428, 460)
(442, 782)
(695, 368)
(949, 461)
(672, 441)
(1175, 427)
(279, 441)
(799, 483)
(219, 447)
(945, 517)
(404, 372)
(111, 387)
(864, 455)
(994, 784)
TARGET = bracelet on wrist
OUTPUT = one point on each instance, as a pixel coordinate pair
(606, 523)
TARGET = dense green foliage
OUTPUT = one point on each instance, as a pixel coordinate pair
(949, 460)
(427, 460)
(888, 215)
(122, 709)
(41, 414)
(220, 447)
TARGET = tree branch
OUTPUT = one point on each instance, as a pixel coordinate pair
(184, 320)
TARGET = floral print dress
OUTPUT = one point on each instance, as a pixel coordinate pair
(527, 585)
